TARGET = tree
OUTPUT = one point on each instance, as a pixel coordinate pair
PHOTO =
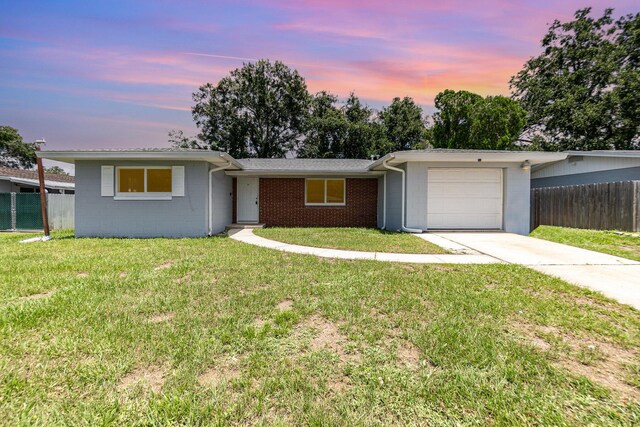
(56, 170)
(496, 123)
(583, 92)
(452, 121)
(259, 110)
(178, 139)
(326, 128)
(14, 152)
(365, 137)
(467, 120)
(404, 124)
(346, 132)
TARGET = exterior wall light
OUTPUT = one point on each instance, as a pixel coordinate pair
(525, 165)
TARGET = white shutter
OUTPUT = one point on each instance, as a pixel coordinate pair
(106, 178)
(177, 180)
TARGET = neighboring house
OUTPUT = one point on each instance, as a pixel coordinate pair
(188, 193)
(26, 181)
(588, 167)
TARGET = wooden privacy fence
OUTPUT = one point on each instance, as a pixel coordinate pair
(605, 206)
(21, 211)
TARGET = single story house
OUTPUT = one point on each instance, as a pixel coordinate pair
(188, 193)
(588, 167)
(14, 180)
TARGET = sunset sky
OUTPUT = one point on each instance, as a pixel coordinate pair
(121, 73)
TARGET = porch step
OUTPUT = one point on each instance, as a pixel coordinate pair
(236, 226)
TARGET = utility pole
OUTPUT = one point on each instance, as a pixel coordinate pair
(43, 195)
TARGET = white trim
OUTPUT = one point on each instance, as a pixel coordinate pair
(344, 191)
(144, 195)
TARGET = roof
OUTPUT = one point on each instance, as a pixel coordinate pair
(32, 174)
(170, 153)
(306, 165)
(606, 153)
(467, 156)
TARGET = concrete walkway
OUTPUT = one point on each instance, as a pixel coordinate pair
(247, 236)
(615, 277)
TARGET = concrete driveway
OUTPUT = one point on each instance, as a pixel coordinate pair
(615, 277)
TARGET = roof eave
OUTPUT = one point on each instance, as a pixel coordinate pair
(73, 156)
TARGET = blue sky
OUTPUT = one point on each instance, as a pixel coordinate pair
(120, 73)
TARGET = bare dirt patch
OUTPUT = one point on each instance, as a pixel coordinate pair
(601, 362)
(37, 296)
(328, 337)
(122, 275)
(163, 266)
(215, 375)
(259, 322)
(151, 377)
(409, 355)
(82, 275)
(285, 305)
(184, 279)
(163, 317)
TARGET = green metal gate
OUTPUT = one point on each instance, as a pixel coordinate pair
(28, 213)
(5, 211)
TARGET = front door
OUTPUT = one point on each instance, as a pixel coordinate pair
(248, 199)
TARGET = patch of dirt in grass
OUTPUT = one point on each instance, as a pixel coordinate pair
(285, 305)
(215, 375)
(122, 275)
(184, 279)
(150, 376)
(82, 275)
(37, 296)
(601, 362)
(163, 317)
(328, 337)
(163, 266)
(259, 322)
(409, 354)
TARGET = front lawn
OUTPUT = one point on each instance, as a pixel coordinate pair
(214, 331)
(624, 245)
(355, 239)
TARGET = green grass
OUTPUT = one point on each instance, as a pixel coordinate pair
(119, 331)
(356, 239)
(610, 242)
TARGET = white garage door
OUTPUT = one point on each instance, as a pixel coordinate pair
(464, 198)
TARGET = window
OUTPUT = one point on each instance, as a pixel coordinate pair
(144, 182)
(325, 192)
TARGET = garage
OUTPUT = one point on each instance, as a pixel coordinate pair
(469, 198)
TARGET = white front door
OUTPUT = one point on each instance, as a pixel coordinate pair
(247, 199)
(469, 198)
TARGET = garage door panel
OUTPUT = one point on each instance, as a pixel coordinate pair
(461, 206)
(469, 189)
(464, 198)
(462, 221)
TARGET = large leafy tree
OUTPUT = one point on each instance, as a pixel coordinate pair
(469, 121)
(347, 131)
(14, 152)
(259, 110)
(326, 128)
(404, 124)
(452, 121)
(583, 91)
(365, 136)
(496, 123)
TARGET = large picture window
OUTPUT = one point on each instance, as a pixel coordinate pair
(144, 182)
(325, 192)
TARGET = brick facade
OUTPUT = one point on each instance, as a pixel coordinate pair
(282, 204)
